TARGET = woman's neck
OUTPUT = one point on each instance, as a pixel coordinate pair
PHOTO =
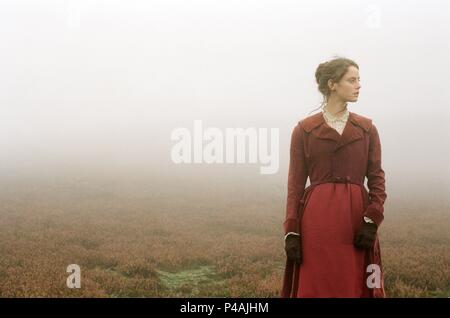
(336, 107)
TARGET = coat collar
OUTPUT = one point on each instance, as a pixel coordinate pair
(354, 128)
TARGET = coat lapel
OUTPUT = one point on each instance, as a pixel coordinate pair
(352, 131)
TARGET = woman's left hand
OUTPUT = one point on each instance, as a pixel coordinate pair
(365, 238)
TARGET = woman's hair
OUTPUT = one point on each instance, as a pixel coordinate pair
(331, 70)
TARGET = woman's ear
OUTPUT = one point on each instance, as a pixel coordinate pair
(331, 85)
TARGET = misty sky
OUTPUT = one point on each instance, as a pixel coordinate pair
(104, 83)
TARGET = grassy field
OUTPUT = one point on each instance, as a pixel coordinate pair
(161, 238)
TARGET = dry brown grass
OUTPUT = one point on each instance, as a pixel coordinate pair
(152, 239)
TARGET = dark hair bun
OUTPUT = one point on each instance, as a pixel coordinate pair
(319, 71)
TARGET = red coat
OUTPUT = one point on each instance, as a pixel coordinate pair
(326, 157)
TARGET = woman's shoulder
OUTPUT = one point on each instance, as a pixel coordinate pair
(308, 123)
(362, 121)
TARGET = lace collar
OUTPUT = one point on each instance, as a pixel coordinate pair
(343, 116)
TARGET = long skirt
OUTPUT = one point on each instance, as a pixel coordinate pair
(332, 266)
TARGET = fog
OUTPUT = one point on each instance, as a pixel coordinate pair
(99, 86)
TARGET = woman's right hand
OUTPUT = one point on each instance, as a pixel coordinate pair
(293, 248)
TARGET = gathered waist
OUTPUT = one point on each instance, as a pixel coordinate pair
(337, 179)
(334, 179)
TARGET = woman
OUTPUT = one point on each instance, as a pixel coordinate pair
(331, 226)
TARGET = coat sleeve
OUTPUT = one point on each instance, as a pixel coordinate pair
(296, 179)
(375, 179)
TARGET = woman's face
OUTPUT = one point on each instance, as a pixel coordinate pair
(348, 87)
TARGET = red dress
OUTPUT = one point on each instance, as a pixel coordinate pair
(329, 212)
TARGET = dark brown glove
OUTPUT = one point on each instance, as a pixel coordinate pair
(365, 238)
(293, 248)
